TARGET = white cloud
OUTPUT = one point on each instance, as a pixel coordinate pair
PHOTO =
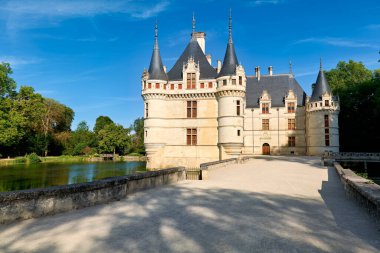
(23, 14)
(262, 2)
(339, 42)
(16, 62)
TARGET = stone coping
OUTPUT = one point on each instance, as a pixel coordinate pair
(205, 166)
(364, 190)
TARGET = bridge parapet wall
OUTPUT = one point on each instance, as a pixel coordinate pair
(361, 189)
(26, 204)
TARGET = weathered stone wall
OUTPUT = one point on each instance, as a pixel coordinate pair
(25, 204)
(361, 189)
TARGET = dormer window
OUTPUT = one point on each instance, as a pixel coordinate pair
(190, 82)
(326, 103)
(265, 108)
(291, 107)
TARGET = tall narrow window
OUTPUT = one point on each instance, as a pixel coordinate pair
(202, 85)
(265, 124)
(238, 132)
(327, 137)
(240, 80)
(180, 86)
(191, 109)
(190, 85)
(210, 84)
(327, 123)
(238, 107)
(326, 103)
(165, 86)
(157, 85)
(291, 124)
(291, 107)
(191, 136)
(265, 108)
(291, 141)
(234, 81)
(224, 82)
(146, 110)
(149, 85)
(144, 85)
(172, 86)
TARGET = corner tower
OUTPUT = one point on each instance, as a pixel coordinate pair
(322, 112)
(230, 93)
(154, 82)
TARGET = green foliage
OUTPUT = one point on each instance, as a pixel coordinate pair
(33, 158)
(28, 121)
(20, 160)
(137, 140)
(359, 93)
(101, 123)
(113, 138)
(7, 84)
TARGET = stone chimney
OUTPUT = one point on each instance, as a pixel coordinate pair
(257, 72)
(200, 36)
(208, 57)
(219, 66)
(270, 70)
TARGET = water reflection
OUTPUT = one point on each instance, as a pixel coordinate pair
(22, 176)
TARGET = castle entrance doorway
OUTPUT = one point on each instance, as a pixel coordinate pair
(266, 149)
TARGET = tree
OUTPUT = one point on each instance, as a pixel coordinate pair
(137, 140)
(113, 138)
(7, 84)
(101, 122)
(347, 74)
(82, 140)
(359, 93)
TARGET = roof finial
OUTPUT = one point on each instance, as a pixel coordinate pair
(230, 27)
(320, 64)
(193, 34)
(290, 67)
(156, 36)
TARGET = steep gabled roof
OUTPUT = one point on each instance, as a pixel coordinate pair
(321, 86)
(277, 86)
(156, 69)
(230, 60)
(193, 50)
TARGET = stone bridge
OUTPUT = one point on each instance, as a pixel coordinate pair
(271, 204)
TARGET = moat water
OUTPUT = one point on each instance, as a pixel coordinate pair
(23, 176)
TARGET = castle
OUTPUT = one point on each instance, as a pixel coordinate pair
(196, 113)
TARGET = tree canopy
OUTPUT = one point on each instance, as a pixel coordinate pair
(358, 89)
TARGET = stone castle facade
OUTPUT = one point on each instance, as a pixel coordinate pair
(196, 113)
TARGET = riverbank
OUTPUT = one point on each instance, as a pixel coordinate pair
(71, 159)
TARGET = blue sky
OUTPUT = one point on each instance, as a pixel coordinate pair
(90, 55)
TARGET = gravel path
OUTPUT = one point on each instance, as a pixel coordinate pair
(272, 204)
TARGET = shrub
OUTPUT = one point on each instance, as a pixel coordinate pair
(20, 160)
(33, 158)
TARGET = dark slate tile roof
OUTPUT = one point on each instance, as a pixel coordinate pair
(156, 69)
(192, 50)
(277, 87)
(321, 86)
(230, 61)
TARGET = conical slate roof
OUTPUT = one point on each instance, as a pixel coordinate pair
(193, 50)
(321, 86)
(156, 69)
(230, 60)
